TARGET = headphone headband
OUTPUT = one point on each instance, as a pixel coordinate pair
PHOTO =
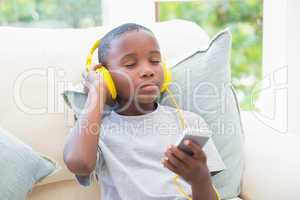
(90, 55)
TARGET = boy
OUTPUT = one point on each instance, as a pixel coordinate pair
(131, 151)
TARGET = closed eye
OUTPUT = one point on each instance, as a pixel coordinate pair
(130, 65)
(155, 61)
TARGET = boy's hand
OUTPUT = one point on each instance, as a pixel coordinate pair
(191, 168)
(94, 84)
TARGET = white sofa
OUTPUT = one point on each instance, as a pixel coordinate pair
(272, 162)
(38, 64)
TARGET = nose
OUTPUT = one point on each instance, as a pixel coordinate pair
(146, 71)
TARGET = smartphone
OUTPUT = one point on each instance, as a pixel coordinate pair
(195, 135)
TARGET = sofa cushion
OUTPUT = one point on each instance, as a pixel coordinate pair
(271, 161)
(21, 167)
(64, 190)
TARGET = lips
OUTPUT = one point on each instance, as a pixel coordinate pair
(149, 87)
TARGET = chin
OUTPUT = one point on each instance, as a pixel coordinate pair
(146, 99)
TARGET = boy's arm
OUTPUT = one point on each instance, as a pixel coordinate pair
(80, 150)
(204, 192)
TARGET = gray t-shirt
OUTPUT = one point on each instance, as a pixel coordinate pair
(130, 150)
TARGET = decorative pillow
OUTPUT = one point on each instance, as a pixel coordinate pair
(202, 84)
(75, 98)
(21, 167)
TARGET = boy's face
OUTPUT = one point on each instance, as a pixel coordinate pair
(134, 60)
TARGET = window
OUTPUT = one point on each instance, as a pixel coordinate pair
(244, 18)
(50, 13)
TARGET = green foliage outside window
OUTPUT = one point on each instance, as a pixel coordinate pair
(50, 13)
(244, 18)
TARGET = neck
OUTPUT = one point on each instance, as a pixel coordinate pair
(134, 109)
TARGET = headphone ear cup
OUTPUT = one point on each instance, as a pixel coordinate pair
(102, 70)
(167, 78)
(108, 81)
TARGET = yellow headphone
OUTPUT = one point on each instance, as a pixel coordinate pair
(108, 79)
(167, 81)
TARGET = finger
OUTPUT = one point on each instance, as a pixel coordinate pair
(85, 88)
(175, 161)
(183, 157)
(170, 166)
(196, 149)
(85, 84)
(84, 75)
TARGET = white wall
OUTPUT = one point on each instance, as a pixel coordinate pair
(293, 61)
(274, 92)
(280, 97)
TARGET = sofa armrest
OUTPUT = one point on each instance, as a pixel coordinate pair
(272, 164)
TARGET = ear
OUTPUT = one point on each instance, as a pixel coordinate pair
(95, 67)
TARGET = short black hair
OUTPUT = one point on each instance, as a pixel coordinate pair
(117, 32)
